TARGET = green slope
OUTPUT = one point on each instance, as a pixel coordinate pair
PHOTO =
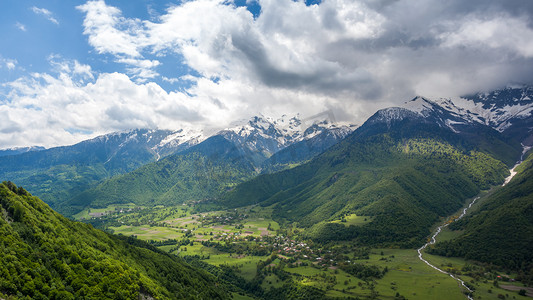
(402, 177)
(46, 256)
(60, 173)
(501, 231)
(199, 173)
(59, 183)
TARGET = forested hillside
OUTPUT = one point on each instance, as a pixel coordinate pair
(60, 173)
(501, 232)
(201, 172)
(46, 256)
(399, 175)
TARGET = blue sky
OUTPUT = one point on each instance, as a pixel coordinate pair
(37, 31)
(70, 70)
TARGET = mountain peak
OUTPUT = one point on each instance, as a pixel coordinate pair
(422, 110)
(261, 133)
(392, 114)
(420, 105)
(498, 109)
(19, 150)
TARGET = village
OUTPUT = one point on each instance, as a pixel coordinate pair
(253, 245)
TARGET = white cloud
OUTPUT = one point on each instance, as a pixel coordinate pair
(70, 105)
(349, 56)
(108, 31)
(141, 69)
(72, 68)
(502, 32)
(21, 26)
(46, 13)
(342, 48)
(7, 63)
(10, 64)
(44, 108)
(283, 48)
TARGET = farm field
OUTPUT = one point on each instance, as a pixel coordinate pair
(249, 242)
(89, 213)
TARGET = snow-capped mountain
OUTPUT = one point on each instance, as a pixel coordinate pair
(314, 140)
(268, 135)
(158, 142)
(178, 140)
(57, 173)
(509, 110)
(125, 150)
(421, 109)
(498, 109)
(219, 162)
(338, 130)
(19, 150)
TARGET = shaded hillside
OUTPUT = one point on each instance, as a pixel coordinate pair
(399, 170)
(206, 170)
(501, 231)
(46, 256)
(304, 150)
(60, 173)
(19, 150)
(195, 174)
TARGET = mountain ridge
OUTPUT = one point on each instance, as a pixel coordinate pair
(359, 175)
(505, 216)
(61, 173)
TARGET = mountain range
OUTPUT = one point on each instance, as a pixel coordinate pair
(60, 175)
(206, 170)
(19, 150)
(57, 174)
(404, 170)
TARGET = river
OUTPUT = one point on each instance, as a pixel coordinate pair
(439, 229)
(433, 241)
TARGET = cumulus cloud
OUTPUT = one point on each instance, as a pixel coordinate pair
(279, 49)
(109, 32)
(45, 13)
(69, 106)
(364, 50)
(511, 35)
(351, 57)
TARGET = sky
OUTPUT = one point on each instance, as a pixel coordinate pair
(71, 70)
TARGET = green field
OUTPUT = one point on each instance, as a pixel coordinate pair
(447, 234)
(412, 278)
(149, 232)
(114, 208)
(407, 276)
(354, 219)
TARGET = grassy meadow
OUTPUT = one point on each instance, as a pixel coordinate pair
(406, 276)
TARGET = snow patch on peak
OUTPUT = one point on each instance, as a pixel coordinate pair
(24, 149)
(388, 115)
(181, 136)
(419, 105)
(262, 133)
(497, 109)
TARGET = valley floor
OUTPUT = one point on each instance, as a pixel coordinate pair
(254, 247)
